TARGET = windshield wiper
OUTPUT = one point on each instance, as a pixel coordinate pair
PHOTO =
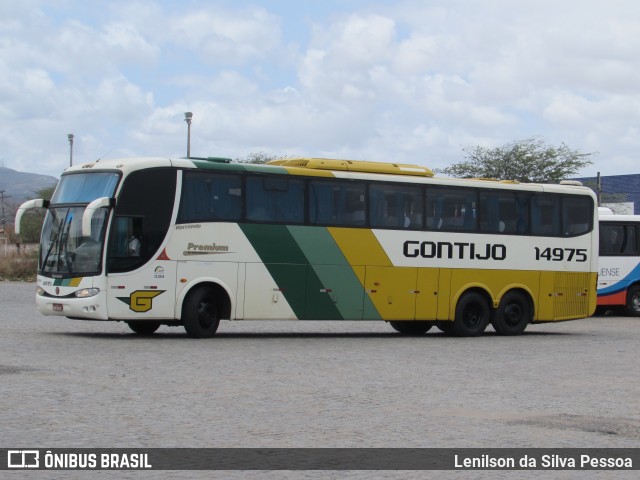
(53, 244)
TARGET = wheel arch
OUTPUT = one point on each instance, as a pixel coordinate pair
(630, 309)
(526, 292)
(476, 288)
(222, 291)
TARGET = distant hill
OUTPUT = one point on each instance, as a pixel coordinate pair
(20, 186)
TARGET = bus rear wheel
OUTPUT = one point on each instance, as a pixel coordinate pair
(412, 327)
(472, 315)
(633, 301)
(142, 327)
(200, 313)
(513, 314)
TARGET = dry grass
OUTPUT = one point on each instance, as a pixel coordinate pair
(16, 267)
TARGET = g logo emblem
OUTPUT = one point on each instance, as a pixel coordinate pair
(141, 301)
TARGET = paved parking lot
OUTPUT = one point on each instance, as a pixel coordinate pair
(69, 383)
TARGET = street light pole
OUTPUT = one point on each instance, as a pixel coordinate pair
(70, 137)
(187, 118)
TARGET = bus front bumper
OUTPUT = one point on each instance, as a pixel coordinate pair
(87, 308)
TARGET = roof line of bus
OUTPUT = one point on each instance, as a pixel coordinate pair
(313, 167)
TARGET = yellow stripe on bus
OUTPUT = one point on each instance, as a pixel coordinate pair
(388, 287)
(360, 246)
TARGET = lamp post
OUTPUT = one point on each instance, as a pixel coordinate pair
(70, 137)
(187, 118)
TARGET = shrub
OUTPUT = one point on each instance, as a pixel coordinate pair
(19, 267)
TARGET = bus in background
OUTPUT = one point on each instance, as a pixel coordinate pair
(189, 242)
(619, 265)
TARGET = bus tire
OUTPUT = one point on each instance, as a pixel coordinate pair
(633, 301)
(412, 327)
(200, 313)
(143, 327)
(472, 315)
(513, 314)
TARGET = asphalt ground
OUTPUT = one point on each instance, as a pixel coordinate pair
(280, 384)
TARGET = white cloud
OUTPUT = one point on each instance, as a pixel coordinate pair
(414, 81)
(223, 36)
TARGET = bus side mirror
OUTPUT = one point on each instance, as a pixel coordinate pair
(38, 203)
(87, 216)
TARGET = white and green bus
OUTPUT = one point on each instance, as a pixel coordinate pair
(153, 241)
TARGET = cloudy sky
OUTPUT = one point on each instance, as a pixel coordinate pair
(411, 81)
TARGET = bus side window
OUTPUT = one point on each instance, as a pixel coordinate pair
(502, 212)
(523, 211)
(334, 202)
(395, 206)
(545, 215)
(452, 208)
(628, 245)
(275, 199)
(210, 197)
(127, 237)
(611, 239)
(618, 239)
(576, 215)
(143, 212)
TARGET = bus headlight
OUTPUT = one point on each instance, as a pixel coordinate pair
(87, 292)
(40, 291)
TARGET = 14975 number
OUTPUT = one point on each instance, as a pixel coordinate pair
(561, 254)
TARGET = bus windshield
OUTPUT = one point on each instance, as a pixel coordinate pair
(64, 250)
(85, 187)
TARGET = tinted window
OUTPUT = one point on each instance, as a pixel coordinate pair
(451, 209)
(545, 214)
(504, 212)
(395, 206)
(85, 187)
(275, 199)
(577, 213)
(210, 196)
(618, 239)
(335, 202)
(142, 216)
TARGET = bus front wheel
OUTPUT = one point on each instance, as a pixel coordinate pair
(472, 315)
(411, 327)
(633, 301)
(513, 314)
(200, 313)
(142, 327)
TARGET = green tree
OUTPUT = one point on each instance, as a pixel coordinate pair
(258, 158)
(529, 160)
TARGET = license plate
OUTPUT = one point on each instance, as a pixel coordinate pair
(57, 307)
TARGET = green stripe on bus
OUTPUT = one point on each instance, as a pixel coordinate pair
(67, 282)
(339, 280)
(238, 167)
(290, 269)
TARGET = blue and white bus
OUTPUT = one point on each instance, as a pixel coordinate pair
(619, 263)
